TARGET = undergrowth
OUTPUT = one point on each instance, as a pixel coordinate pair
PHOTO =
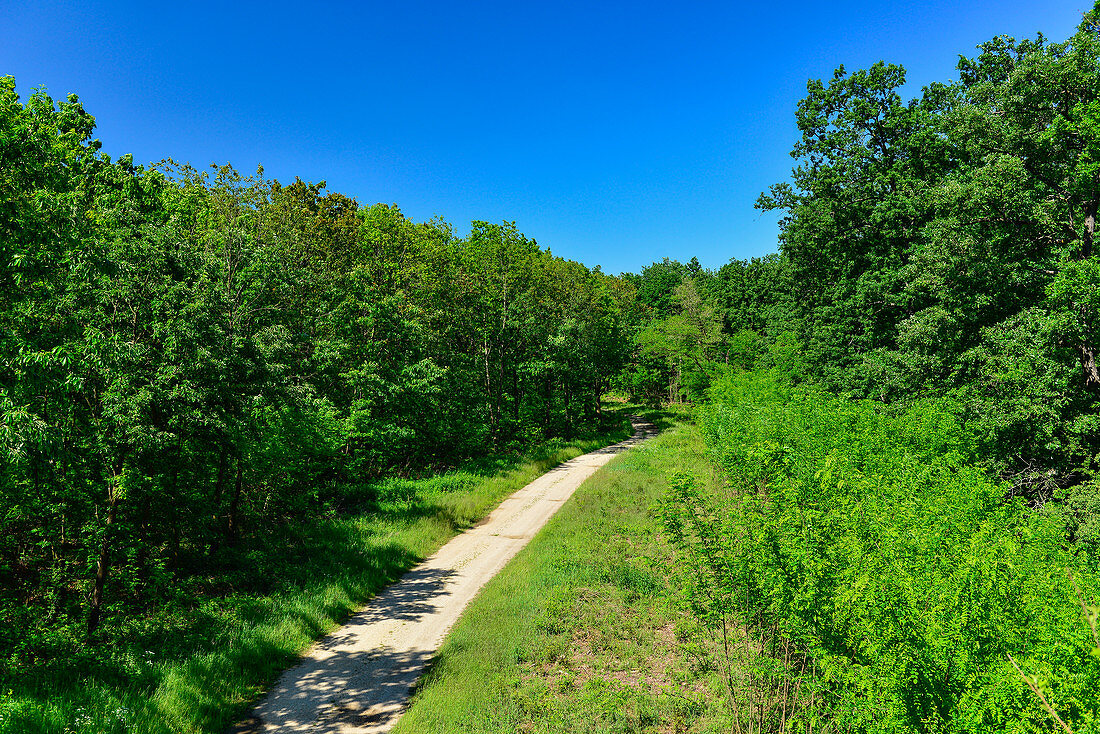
(242, 615)
(886, 581)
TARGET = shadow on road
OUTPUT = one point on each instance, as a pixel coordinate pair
(373, 695)
(347, 685)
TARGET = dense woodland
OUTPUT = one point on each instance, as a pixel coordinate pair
(941, 246)
(187, 356)
(907, 395)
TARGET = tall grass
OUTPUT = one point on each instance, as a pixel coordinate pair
(905, 577)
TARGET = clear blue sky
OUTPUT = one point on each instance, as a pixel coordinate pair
(614, 133)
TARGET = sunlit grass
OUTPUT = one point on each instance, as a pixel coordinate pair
(578, 632)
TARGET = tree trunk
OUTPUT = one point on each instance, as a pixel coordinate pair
(216, 500)
(145, 547)
(568, 413)
(103, 564)
(1087, 355)
(500, 384)
(1086, 352)
(489, 391)
(219, 485)
(515, 392)
(547, 406)
(1090, 229)
(232, 526)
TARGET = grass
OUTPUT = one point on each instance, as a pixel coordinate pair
(583, 631)
(197, 664)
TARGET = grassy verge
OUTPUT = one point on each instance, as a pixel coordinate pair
(195, 665)
(582, 631)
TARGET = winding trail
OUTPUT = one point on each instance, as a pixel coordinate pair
(358, 679)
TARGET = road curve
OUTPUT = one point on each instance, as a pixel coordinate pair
(357, 680)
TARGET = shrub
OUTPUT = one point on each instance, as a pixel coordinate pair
(880, 547)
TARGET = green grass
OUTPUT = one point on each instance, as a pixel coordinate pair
(198, 663)
(582, 631)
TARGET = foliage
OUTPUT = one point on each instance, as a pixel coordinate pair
(877, 546)
(199, 659)
(688, 320)
(191, 359)
(944, 245)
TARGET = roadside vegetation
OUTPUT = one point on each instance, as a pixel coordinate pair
(903, 404)
(197, 662)
(231, 408)
(866, 573)
(202, 370)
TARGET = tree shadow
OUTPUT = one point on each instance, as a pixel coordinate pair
(373, 695)
(337, 684)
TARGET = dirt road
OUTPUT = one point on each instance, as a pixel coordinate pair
(357, 680)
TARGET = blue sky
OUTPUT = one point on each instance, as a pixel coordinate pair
(614, 133)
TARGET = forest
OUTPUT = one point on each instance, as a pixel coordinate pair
(910, 536)
(905, 399)
(189, 357)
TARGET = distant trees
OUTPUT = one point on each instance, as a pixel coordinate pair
(688, 341)
(689, 320)
(941, 246)
(939, 282)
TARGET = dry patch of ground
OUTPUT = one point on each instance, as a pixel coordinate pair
(618, 662)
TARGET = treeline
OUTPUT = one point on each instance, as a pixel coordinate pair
(694, 323)
(945, 245)
(940, 246)
(187, 357)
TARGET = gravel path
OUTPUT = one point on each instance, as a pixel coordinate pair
(357, 680)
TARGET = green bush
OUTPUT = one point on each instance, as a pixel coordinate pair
(878, 544)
